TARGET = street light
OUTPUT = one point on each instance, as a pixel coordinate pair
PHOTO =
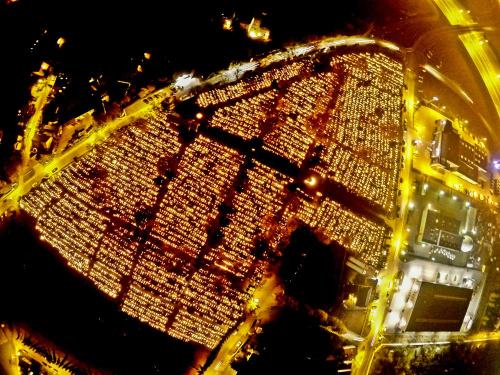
(60, 42)
(311, 181)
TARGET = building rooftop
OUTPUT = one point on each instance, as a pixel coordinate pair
(439, 308)
(441, 230)
(453, 152)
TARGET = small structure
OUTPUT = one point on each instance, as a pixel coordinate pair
(460, 156)
(440, 230)
(257, 32)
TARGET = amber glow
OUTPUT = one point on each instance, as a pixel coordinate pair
(311, 181)
(102, 185)
(60, 41)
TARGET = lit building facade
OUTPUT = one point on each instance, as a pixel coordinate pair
(450, 151)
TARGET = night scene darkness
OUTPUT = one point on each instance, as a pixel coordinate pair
(256, 187)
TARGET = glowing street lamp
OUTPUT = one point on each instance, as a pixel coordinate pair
(228, 24)
(60, 42)
(311, 181)
(256, 32)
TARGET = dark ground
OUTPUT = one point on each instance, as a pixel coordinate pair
(39, 291)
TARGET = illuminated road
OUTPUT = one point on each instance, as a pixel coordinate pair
(234, 72)
(439, 39)
(477, 47)
(457, 89)
(266, 296)
(8, 350)
(480, 337)
(35, 120)
(12, 348)
(418, 128)
(454, 12)
(221, 364)
(448, 82)
(369, 347)
(485, 62)
(34, 175)
(421, 160)
(361, 362)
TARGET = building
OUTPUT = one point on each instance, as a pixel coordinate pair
(495, 176)
(363, 295)
(434, 297)
(444, 237)
(437, 307)
(438, 229)
(450, 151)
(257, 32)
(496, 186)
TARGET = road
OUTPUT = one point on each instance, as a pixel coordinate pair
(366, 349)
(221, 364)
(8, 358)
(477, 47)
(33, 123)
(480, 337)
(484, 60)
(425, 115)
(12, 349)
(433, 47)
(33, 176)
(267, 299)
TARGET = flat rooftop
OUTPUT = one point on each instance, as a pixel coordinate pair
(441, 230)
(439, 308)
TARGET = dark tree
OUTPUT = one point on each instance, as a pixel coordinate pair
(294, 343)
